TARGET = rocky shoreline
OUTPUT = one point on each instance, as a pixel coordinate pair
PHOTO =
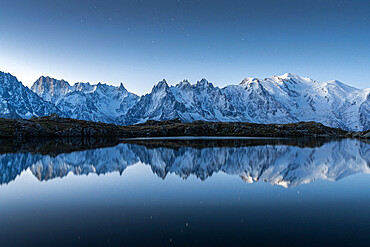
(55, 126)
(54, 146)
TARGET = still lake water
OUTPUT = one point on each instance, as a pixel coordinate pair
(186, 192)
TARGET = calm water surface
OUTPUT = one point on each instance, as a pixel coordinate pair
(187, 192)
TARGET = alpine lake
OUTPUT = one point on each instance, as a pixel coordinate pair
(185, 191)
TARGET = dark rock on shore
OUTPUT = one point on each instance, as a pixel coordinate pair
(55, 126)
(54, 146)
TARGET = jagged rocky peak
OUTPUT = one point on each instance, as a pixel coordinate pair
(48, 83)
(204, 83)
(51, 89)
(122, 88)
(49, 79)
(83, 87)
(6, 77)
(183, 83)
(9, 82)
(103, 87)
(161, 86)
(2, 73)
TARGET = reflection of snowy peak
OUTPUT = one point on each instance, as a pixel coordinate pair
(279, 99)
(99, 161)
(284, 165)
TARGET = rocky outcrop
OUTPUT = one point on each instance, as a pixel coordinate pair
(55, 126)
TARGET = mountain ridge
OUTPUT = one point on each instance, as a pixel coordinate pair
(279, 99)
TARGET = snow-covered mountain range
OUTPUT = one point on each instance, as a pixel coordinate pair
(279, 99)
(284, 165)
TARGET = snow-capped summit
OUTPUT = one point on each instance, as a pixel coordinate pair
(51, 89)
(161, 86)
(292, 76)
(183, 83)
(204, 83)
(248, 80)
(160, 104)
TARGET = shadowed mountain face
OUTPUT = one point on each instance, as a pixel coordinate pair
(285, 162)
(18, 101)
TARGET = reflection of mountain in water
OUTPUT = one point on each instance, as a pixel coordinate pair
(284, 165)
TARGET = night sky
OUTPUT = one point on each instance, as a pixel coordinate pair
(141, 42)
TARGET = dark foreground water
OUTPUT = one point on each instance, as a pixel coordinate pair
(228, 192)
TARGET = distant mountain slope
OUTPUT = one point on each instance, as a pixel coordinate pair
(18, 101)
(279, 99)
